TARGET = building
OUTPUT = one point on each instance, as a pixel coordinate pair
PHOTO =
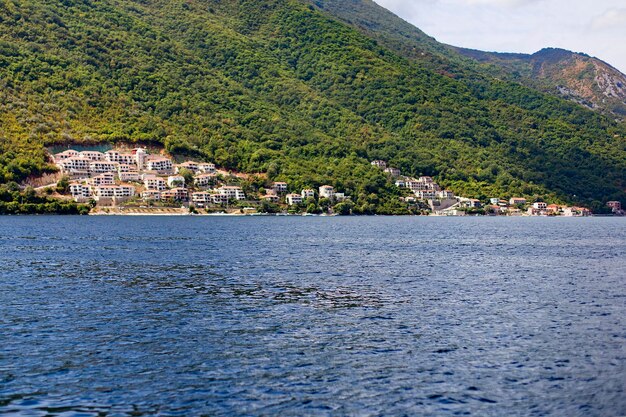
(379, 164)
(425, 180)
(206, 167)
(204, 180)
(445, 195)
(201, 199)
(75, 164)
(280, 187)
(553, 208)
(176, 194)
(400, 183)
(92, 155)
(159, 164)
(615, 206)
(140, 157)
(219, 198)
(395, 172)
(326, 191)
(114, 191)
(232, 192)
(70, 153)
(340, 196)
(307, 192)
(151, 195)
(494, 201)
(426, 194)
(175, 181)
(272, 198)
(414, 185)
(107, 178)
(293, 199)
(80, 192)
(152, 182)
(471, 203)
(517, 200)
(540, 205)
(100, 167)
(188, 165)
(120, 158)
(130, 176)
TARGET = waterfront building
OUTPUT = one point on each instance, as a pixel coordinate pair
(159, 164)
(232, 192)
(152, 182)
(326, 191)
(204, 180)
(175, 181)
(517, 200)
(280, 187)
(92, 155)
(293, 199)
(379, 164)
(395, 172)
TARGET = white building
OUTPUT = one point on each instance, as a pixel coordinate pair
(280, 187)
(100, 167)
(152, 182)
(219, 198)
(326, 191)
(379, 164)
(201, 199)
(293, 199)
(175, 181)
(178, 194)
(107, 178)
(395, 172)
(151, 195)
(70, 153)
(540, 205)
(92, 155)
(206, 167)
(340, 196)
(445, 195)
(80, 192)
(307, 192)
(159, 164)
(232, 192)
(400, 183)
(204, 180)
(189, 165)
(114, 191)
(75, 164)
(120, 157)
(426, 194)
(130, 176)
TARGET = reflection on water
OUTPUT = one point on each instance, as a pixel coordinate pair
(312, 316)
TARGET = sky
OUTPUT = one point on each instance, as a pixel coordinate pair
(595, 27)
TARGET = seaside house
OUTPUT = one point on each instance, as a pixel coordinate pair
(107, 178)
(100, 167)
(189, 165)
(272, 198)
(92, 155)
(151, 195)
(206, 167)
(517, 200)
(201, 199)
(293, 199)
(159, 164)
(177, 194)
(231, 191)
(326, 191)
(120, 158)
(80, 193)
(540, 205)
(307, 192)
(280, 187)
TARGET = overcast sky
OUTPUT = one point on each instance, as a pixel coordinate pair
(595, 27)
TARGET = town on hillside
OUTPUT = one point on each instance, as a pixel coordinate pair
(127, 179)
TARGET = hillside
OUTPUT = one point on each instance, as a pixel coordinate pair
(578, 77)
(574, 76)
(285, 88)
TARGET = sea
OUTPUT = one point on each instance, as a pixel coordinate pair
(312, 316)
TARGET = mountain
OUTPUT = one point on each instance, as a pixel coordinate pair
(289, 88)
(575, 76)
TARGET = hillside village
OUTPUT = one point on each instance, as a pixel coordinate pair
(121, 178)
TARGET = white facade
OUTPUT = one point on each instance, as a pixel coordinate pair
(201, 199)
(307, 192)
(232, 192)
(293, 199)
(120, 158)
(99, 167)
(393, 171)
(80, 192)
(92, 155)
(326, 191)
(204, 180)
(206, 167)
(280, 187)
(153, 195)
(175, 181)
(426, 194)
(107, 178)
(540, 205)
(159, 164)
(130, 176)
(152, 182)
(379, 164)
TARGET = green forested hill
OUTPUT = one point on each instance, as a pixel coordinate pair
(281, 86)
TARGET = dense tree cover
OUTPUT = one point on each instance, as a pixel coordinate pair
(278, 86)
(14, 201)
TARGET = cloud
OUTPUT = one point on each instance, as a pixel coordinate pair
(500, 3)
(611, 18)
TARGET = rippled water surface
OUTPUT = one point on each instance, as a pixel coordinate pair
(130, 316)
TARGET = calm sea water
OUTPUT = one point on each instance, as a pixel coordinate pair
(131, 316)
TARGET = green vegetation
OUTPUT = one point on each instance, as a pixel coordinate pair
(13, 201)
(281, 87)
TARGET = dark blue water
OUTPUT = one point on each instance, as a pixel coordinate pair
(131, 316)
